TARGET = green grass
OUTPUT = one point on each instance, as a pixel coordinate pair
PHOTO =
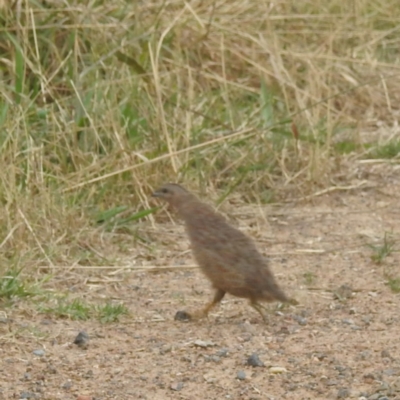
(388, 150)
(72, 309)
(309, 278)
(99, 104)
(76, 309)
(13, 286)
(393, 283)
(383, 250)
(111, 312)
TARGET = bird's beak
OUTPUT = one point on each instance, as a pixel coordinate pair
(156, 194)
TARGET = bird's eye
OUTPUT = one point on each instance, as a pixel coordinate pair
(164, 190)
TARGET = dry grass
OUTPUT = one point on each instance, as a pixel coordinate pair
(101, 102)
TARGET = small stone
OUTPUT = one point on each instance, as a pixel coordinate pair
(182, 316)
(277, 370)
(369, 378)
(67, 385)
(203, 343)
(343, 393)
(348, 321)
(300, 320)
(27, 395)
(383, 398)
(176, 386)
(340, 369)
(82, 339)
(343, 292)
(39, 352)
(27, 376)
(254, 361)
(241, 375)
(222, 352)
(213, 358)
(366, 319)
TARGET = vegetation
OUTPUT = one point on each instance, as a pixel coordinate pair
(102, 101)
(381, 251)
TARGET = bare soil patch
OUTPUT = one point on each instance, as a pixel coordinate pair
(337, 343)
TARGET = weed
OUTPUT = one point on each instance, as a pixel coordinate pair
(387, 150)
(13, 286)
(383, 250)
(309, 278)
(111, 312)
(393, 283)
(64, 308)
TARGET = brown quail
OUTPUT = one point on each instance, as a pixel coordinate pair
(226, 255)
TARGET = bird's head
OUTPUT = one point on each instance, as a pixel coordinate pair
(171, 193)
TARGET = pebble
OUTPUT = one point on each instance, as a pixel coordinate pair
(348, 321)
(340, 369)
(176, 386)
(383, 398)
(39, 352)
(213, 358)
(82, 339)
(343, 393)
(67, 385)
(300, 320)
(254, 361)
(203, 343)
(241, 375)
(222, 352)
(343, 292)
(182, 316)
(27, 395)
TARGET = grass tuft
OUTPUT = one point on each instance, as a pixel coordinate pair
(109, 312)
(394, 284)
(13, 286)
(64, 308)
(383, 250)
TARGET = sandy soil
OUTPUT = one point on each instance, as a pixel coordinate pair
(339, 342)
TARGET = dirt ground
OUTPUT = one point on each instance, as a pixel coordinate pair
(339, 342)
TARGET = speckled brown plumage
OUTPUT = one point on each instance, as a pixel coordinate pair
(226, 255)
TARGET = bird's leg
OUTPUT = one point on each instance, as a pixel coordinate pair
(258, 307)
(185, 316)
